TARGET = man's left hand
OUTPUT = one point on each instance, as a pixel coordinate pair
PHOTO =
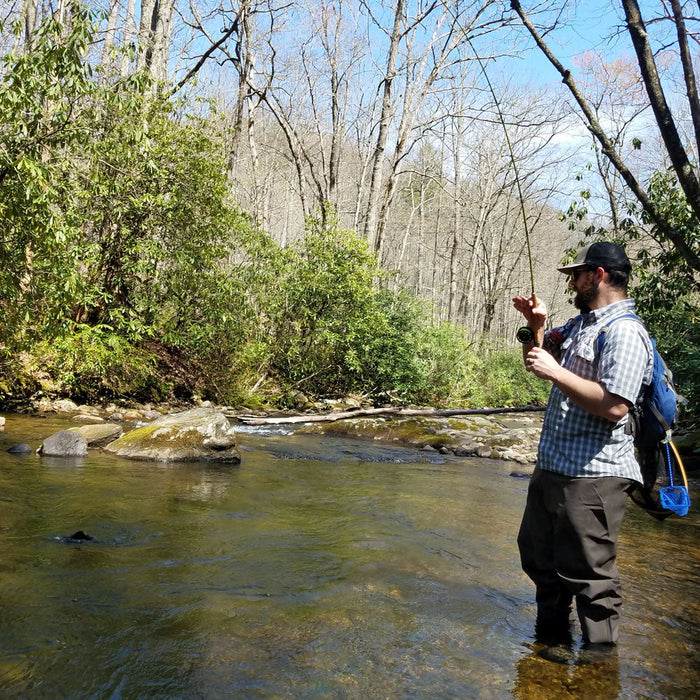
(541, 364)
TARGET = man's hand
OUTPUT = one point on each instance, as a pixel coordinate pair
(533, 310)
(541, 364)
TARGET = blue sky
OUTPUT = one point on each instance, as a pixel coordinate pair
(588, 25)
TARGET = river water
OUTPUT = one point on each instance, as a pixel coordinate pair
(318, 568)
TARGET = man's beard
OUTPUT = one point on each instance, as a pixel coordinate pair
(583, 299)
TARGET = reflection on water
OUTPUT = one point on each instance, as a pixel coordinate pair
(317, 568)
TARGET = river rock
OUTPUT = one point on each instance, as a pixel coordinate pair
(65, 406)
(504, 437)
(89, 410)
(88, 418)
(99, 435)
(64, 443)
(21, 449)
(46, 405)
(197, 434)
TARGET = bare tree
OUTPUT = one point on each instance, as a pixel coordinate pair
(617, 99)
(425, 62)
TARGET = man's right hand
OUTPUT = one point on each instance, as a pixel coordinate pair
(535, 314)
(533, 310)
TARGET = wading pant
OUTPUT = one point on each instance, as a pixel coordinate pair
(568, 545)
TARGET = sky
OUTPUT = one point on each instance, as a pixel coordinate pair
(588, 25)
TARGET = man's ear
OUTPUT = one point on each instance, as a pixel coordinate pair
(600, 274)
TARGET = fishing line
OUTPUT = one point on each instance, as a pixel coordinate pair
(510, 150)
(512, 160)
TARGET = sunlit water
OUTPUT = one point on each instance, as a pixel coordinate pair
(318, 568)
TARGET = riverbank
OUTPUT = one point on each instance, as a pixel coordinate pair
(506, 436)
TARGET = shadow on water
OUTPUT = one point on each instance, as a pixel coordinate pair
(317, 568)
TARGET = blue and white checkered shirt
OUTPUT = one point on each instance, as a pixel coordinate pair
(573, 441)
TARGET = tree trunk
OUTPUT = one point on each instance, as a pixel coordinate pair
(128, 36)
(688, 72)
(387, 112)
(29, 12)
(108, 46)
(161, 40)
(456, 222)
(677, 153)
(147, 26)
(331, 417)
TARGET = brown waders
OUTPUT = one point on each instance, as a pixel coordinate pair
(568, 545)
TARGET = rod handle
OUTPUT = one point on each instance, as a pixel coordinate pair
(539, 333)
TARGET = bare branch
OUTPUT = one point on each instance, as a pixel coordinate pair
(608, 147)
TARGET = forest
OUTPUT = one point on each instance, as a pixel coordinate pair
(265, 203)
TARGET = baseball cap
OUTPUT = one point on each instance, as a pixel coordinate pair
(605, 254)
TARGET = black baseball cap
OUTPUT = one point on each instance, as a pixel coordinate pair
(605, 254)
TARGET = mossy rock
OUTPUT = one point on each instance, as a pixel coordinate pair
(412, 432)
(194, 435)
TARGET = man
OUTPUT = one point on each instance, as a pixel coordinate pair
(586, 464)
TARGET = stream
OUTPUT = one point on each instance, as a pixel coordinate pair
(318, 568)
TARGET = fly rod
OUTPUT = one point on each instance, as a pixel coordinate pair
(514, 164)
(501, 118)
(539, 336)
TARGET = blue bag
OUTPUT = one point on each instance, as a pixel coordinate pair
(665, 487)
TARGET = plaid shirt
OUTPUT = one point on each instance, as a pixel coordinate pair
(573, 441)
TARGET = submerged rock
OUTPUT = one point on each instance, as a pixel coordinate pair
(64, 443)
(77, 538)
(197, 434)
(21, 449)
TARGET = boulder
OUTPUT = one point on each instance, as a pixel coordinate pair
(46, 405)
(64, 443)
(197, 434)
(21, 449)
(99, 435)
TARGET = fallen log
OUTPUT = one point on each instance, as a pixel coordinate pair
(361, 412)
